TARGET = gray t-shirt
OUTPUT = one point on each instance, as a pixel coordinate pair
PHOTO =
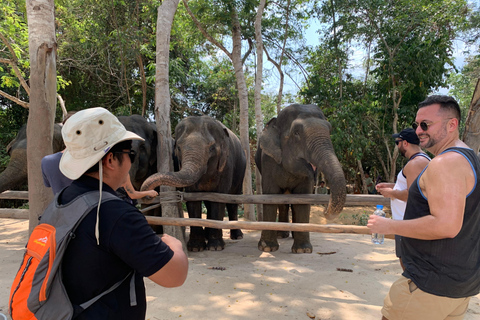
(52, 176)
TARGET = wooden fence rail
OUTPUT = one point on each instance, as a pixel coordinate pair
(253, 225)
(176, 196)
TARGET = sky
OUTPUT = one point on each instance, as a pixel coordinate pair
(356, 62)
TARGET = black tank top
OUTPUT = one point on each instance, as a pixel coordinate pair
(418, 154)
(446, 267)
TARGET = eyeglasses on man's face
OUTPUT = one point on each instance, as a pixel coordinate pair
(398, 141)
(424, 125)
(131, 154)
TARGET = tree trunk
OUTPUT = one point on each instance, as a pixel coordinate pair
(166, 12)
(144, 83)
(472, 124)
(362, 176)
(43, 85)
(337, 51)
(258, 94)
(236, 58)
(243, 99)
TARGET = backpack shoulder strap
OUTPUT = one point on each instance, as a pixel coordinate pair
(87, 304)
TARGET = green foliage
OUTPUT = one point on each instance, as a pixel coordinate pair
(13, 28)
(107, 49)
(462, 84)
(102, 47)
(409, 46)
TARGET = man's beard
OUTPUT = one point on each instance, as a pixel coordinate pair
(433, 141)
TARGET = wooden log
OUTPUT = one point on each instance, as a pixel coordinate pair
(246, 225)
(14, 213)
(315, 199)
(18, 195)
(251, 225)
(176, 196)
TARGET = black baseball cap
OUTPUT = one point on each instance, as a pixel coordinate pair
(408, 135)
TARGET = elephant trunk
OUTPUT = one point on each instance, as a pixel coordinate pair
(15, 175)
(194, 165)
(324, 158)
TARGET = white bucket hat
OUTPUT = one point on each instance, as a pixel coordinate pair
(88, 135)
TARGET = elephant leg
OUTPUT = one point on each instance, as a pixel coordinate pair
(283, 217)
(215, 211)
(157, 212)
(196, 242)
(232, 209)
(268, 241)
(301, 240)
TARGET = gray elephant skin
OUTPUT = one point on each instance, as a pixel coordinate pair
(292, 147)
(15, 174)
(145, 164)
(211, 159)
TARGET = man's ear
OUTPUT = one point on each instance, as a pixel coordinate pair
(108, 161)
(453, 125)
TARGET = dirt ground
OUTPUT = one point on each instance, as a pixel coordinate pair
(346, 277)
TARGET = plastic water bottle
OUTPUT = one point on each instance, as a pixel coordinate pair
(378, 238)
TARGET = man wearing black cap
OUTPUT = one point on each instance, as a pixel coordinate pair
(408, 145)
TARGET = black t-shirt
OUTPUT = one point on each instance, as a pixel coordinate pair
(127, 243)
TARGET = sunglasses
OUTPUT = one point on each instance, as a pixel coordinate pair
(131, 154)
(398, 141)
(425, 125)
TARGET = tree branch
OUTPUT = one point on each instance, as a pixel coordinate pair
(250, 48)
(17, 71)
(15, 99)
(204, 32)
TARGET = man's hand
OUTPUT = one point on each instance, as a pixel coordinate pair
(382, 185)
(172, 242)
(386, 192)
(378, 224)
(150, 194)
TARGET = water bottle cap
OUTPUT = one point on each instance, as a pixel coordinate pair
(379, 206)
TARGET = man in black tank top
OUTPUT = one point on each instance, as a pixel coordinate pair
(441, 227)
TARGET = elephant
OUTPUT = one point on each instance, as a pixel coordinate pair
(292, 147)
(211, 159)
(145, 164)
(15, 174)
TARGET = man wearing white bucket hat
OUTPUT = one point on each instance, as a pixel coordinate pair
(114, 239)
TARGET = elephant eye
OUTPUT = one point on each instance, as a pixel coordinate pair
(212, 148)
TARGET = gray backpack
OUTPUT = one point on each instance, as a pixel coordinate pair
(38, 291)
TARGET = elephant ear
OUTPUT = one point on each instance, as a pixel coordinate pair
(153, 146)
(329, 125)
(224, 155)
(270, 141)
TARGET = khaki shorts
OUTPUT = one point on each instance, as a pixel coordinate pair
(405, 301)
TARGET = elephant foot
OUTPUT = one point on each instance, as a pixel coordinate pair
(302, 248)
(236, 234)
(283, 234)
(215, 244)
(196, 245)
(268, 246)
